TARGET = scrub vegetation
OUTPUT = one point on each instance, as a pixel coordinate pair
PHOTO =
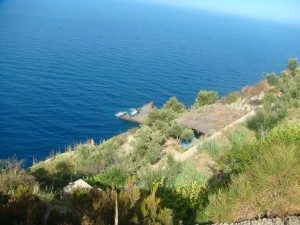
(257, 170)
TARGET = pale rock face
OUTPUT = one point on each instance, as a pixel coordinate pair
(75, 185)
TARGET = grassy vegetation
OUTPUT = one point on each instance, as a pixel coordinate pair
(275, 107)
(257, 170)
(264, 174)
(210, 146)
(266, 180)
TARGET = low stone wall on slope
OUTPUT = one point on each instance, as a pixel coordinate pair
(293, 220)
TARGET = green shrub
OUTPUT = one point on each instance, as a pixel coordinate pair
(187, 134)
(147, 146)
(90, 158)
(172, 169)
(153, 213)
(232, 97)
(110, 177)
(175, 130)
(185, 200)
(180, 132)
(275, 106)
(162, 120)
(290, 89)
(147, 176)
(266, 119)
(174, 106)
(168, 173)
(85, 159)
(272, 79)
(292, 65)
(269, 100)
(205, 98)
(159, 115)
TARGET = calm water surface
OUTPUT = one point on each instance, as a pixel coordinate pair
(67, 66)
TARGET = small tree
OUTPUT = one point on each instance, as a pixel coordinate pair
(159, 115)
(174, 105)
(175, 130)
(272, 79)
(187, 134)
(292, 65)
(153, 213)
(148, 145)
(206, 98)
(269, 100)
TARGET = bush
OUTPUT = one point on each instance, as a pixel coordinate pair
(110, 177)
(180, 132)
(146, 176)
(174, 106)
(269, 100)
(266, 119)
(162, 120)
(232, 97)
(90, 158)
(292, 66)
(175, 130)
(290, 89)
(153, 213)
(187, 134)
(185, 200)
(159, 115)
(147, 146)
(272, 79)
(206, 98)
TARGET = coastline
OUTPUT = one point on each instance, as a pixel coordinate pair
(247, 104)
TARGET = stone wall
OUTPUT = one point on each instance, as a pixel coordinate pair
(293, 220)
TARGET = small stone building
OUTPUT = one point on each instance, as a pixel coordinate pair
(210, 119)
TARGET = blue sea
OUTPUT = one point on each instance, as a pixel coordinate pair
(67, 66)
